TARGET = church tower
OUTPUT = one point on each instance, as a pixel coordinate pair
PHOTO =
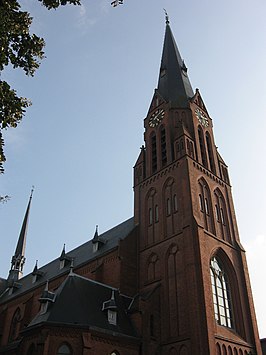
(193, 278)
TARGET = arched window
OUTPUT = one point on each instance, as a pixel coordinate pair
(153, 153)
(170, 208)
(210, 152)
(206, 205)
(150, 216)
(224, 352)
(64, 349)
(115, 353)
(221, 216)
(153, 269)
(14, 327)
(163, 147)
(221, 294)
(175, 203)
(218, 349)
(202, 147)
(156, 212)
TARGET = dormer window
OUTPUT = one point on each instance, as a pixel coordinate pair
(162, 72)
(111, 307)
(112, 316)
(36, 273)
(95, 247)
(44, 307)
(46, 298)
(64, 259)
(13, 287)
(97, 241)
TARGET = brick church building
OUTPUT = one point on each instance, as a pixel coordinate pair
(171, 280)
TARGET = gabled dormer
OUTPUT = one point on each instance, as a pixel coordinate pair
(36, 273)
(64, 259)
(97, 241)
(110, 307)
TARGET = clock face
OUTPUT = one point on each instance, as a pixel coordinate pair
(156, 118)
(203, 120)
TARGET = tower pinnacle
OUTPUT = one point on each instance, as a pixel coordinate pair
(18, 259)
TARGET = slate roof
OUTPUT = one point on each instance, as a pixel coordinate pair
(173, 83)
(84, 299)
(80, 255)
(3, 284)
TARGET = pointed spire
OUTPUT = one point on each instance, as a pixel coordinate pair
(96, 235)
(173, 83)
(35, 270)
(18, 258)
(63, 254)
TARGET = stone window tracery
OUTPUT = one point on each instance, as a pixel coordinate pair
(221, 294)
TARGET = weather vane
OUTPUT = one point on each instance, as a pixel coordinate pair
(117, 2)
(166, 16)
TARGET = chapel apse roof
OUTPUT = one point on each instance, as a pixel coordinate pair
(84, 300)
(80, 256)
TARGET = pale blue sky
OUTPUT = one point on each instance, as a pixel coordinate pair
(81, 137)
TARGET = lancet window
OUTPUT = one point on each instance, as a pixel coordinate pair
(221, 216)
(210, 152)
(153, 153)
(205, 206)
(163, 147)
(202, 147)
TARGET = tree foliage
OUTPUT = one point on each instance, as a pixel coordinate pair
(19, 48)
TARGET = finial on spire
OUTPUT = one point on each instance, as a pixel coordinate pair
(96, 235)
(166, 17)
(32, 189)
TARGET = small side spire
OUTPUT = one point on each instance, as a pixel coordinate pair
(18, 259)
(64, 259)
(63, 254)
(96, 235)
(97, 241)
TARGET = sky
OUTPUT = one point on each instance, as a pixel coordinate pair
(80, 138)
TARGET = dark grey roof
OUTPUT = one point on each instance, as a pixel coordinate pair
(83, 299)
(3, 284)
(173, 84)
(80, 256)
